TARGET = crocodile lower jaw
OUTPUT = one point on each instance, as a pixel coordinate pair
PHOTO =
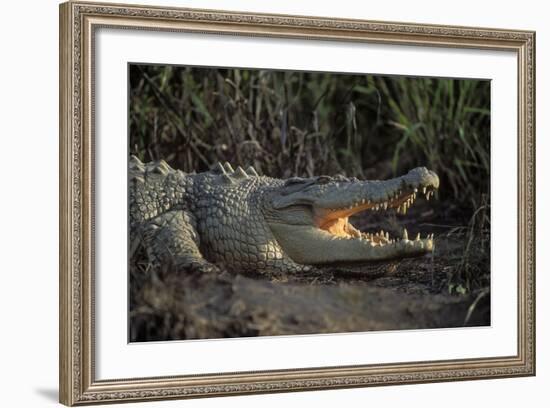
(313, 246)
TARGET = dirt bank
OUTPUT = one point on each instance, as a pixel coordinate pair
(417, 293)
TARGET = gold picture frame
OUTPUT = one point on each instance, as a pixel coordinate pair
(78, 22)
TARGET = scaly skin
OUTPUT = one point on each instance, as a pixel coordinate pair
(252, 223)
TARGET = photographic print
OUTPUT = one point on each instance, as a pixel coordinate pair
(318, 187)
(265, 202)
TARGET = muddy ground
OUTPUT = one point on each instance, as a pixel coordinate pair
(449, 288)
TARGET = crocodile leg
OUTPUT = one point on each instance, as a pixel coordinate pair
(172, 240)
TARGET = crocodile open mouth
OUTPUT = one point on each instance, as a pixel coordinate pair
(336, 221)
(310, 219)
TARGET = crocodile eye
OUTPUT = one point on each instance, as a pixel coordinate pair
(341, 177)
(323, 179)
(294, 180)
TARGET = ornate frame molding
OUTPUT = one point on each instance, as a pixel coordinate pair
(78, 20)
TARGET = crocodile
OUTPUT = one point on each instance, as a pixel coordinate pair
(237, 219)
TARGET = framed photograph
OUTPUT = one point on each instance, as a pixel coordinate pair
(256, 203)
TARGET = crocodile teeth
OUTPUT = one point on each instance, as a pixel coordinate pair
(424, 190)
(405, 234)
(418, 237)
